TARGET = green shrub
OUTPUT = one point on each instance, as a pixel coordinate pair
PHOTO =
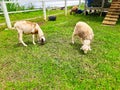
(30, 6)
(14, 7)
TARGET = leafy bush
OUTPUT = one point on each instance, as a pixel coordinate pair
(30, 6)
(14, 7)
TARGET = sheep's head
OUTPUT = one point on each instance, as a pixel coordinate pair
(42, 40)
(41, 36)
(86, 46)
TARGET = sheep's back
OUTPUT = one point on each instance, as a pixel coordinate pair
(84, 30)
(24, 26)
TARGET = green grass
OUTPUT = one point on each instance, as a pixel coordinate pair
(59, 65)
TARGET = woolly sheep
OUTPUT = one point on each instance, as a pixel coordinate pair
(85, 33)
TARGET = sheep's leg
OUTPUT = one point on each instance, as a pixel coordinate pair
(90, 48)
(81, 40)
(73, 38)
(74, 34)
(33, 36)
(71, 12)
(20, 38)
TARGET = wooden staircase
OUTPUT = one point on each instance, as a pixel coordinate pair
(113, 13)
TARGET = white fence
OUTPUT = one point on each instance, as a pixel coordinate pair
(43, 6)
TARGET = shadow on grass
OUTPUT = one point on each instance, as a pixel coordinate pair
(28, 43)
(77, 46)
(18, 45)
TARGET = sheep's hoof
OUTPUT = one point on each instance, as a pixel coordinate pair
(72, 42)
(25, 45)
(34, 43)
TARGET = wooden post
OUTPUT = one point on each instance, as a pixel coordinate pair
(103, 1)
(3, 4)
(65, 7)
(102, 7)
(44, 10)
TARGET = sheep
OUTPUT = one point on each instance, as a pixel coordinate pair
(85, 33)
(27, 27)
(74, 9)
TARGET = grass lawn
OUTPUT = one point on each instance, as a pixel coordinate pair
(59, 65)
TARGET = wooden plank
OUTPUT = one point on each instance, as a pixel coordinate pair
(109, 23)
(111, 19)
(112, 16)
(117, 3)
(113, 13)
(114, 10)
(115, 7)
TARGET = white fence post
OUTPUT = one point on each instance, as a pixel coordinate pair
(79, 3)
(65, 7)
(85, 7)
(44, 9)
(3, 4)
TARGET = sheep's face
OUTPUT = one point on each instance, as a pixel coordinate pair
(86, 46)
(42, 40)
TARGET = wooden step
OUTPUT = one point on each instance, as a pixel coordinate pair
(115, 2)
(114, 10)
(108, 23)
(115, 7)
(113, 13)
(112, 16)
(110, 19)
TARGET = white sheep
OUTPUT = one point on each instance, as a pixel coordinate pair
(27, 27)
(85, 32)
